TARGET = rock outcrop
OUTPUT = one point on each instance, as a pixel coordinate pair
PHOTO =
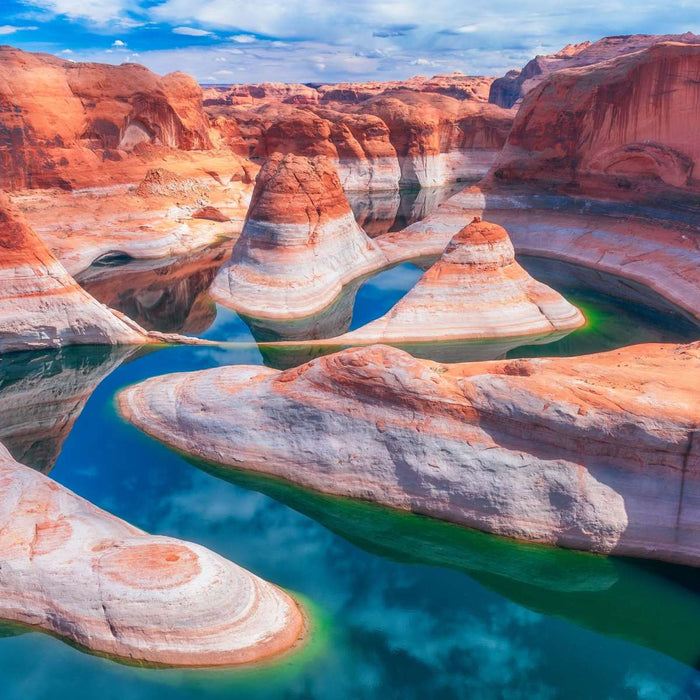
(68, 125)
(78, 572)
(509, 90)
(623, 127)
(381, 135)
(299, 246)
(41, 305)
(599, 453)
(475, 291)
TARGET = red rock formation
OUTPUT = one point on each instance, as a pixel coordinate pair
(600, 452)
(475, 291)
(299, 246)
(41, 305)
(626, 125)
(441, 129)
(62, 123)
(509, 90)
(81, 574)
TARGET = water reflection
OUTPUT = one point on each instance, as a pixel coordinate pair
(170, 296)
(42, 395)
(613, 596)
(381, 212)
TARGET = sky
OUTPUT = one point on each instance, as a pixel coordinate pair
(234, 41)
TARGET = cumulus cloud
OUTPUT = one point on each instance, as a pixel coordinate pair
(242, 38)
(118, 42)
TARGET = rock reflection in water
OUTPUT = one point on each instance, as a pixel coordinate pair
(382, 212)
(167, 296)
(647, 603)
(42, 394)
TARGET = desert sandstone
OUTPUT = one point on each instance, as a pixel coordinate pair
(81, 574)
(299, 246)
(597, 453)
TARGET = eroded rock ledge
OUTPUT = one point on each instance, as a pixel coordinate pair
(78, 572)
(598, 453)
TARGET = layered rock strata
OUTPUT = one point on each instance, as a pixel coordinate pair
(41, 305)
(620, 128)
(475, 291)
(299, 246)
(598, 453)
(78, 572)
(509, 90)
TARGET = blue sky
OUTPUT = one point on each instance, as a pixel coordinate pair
(229, 41)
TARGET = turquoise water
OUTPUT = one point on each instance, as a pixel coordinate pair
(401, 606)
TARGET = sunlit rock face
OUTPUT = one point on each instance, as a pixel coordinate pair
(78, 572)
(509, 90)
(598, 452)
(299, 246)
(68, 125)
(42, 394)
(41, 305)
(619, 128)
(420, 132)
(476, 290)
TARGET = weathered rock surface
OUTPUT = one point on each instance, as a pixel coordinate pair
(381, 135)
(509, 90)
(644, 247)
(78, 572)
(599, 452)
(41, 305)
(476, 290)
(623, 127)
(68, 125)
(299, 246)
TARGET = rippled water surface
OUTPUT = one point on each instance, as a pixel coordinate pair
(401, 606)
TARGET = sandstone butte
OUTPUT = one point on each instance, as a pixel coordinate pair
(300, 243)
(509, 90)
(81, 574)
(628, 126)
(41, 305)
(599, 452)
(476, 290)
(381, 136)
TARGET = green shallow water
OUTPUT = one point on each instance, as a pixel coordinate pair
(401, 606)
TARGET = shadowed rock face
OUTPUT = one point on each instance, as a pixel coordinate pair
(78, 572)
(299, 246)
(41, 305)
(61, 122)
(509, 90)
(625, 126)
(475, 290)
(597, 452)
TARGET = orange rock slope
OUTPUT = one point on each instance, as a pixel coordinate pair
(77, 572)
(509, 90)
(41, 305)
(299, 246)
(629, 124)
(599, 453)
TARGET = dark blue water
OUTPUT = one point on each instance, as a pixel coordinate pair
(401, 606)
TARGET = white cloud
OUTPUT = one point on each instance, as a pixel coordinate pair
(118, 42)
(242, 38)
(191, 31)
(6, 29)
(101, 12)
(67, 51)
